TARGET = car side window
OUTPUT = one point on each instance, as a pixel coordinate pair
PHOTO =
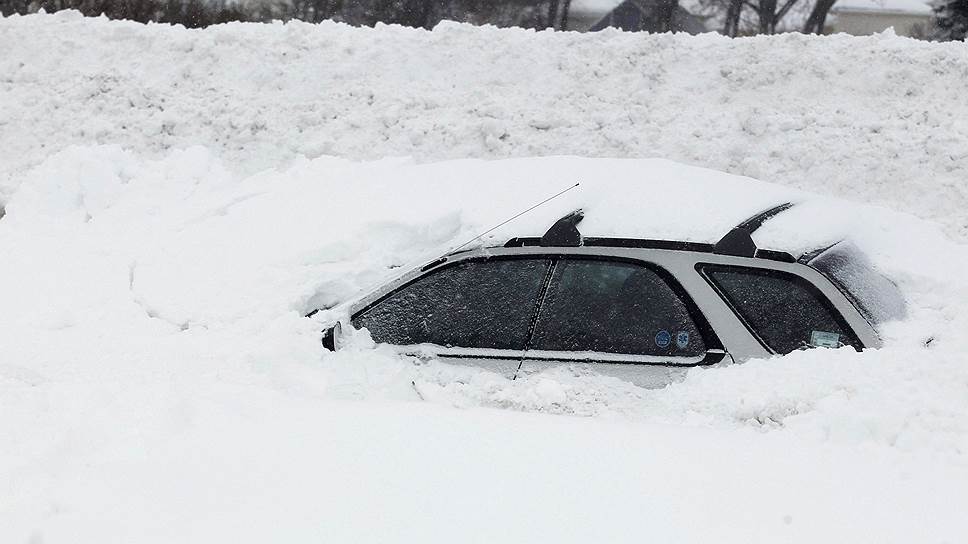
(472, 304)
(784, 310)
(614, 307)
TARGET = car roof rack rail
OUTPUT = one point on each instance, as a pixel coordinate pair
(738, 242)
(564, 233)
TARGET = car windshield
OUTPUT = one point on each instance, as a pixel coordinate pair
(874, 295)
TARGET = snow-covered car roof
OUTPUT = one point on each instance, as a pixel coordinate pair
(646, 199)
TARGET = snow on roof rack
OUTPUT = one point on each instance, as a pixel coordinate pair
(738, 242)
(642, 243)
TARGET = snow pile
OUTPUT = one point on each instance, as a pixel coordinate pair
(847, 116)
(159, 379)
(159, 383)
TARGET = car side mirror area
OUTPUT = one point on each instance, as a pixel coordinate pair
(331, 336)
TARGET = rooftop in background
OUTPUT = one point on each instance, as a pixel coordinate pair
(582, 14)
(919, 7)
(910, 18)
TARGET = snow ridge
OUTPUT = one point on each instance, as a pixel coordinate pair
(844, 115)
(172, 213)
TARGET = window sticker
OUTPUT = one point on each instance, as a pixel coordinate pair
(824, 339)
(682, 339)
(663, 338)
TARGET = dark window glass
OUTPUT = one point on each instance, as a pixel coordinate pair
(875, 296)
(784, 310)
(475, 304)
(614, 307)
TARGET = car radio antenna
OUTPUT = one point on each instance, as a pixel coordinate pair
(443, 258)
(508, 220)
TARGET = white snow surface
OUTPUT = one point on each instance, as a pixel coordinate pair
(159, 383)
(841, 114)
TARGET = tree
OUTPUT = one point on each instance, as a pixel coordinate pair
(536, 14)
(951, 20)
(9, 7)
(311, 11)
(665, 15)
(190, 13)
(748, 17)
(427, 13)
(818, 17)
(731, 22)
(413, 13)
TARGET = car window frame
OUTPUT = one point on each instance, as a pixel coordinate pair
(869, 310)
(461, 352)
(703, 266)
(714, 353)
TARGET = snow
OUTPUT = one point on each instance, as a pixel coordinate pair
(159, 383)
(789, 109)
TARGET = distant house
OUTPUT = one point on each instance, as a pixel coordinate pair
(863, 17)
(630, 15)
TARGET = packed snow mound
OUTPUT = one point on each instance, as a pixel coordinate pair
(877, 119)
(176, 201)
(158, 375)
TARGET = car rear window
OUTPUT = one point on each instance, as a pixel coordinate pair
(875, 296)
(614, 307)
(473, 304)
(785, 311)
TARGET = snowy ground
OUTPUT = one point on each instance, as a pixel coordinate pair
(158, 382)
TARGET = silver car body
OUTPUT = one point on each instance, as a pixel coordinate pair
(738, 342)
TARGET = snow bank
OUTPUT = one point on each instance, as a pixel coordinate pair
(843, 115)
(159, 382)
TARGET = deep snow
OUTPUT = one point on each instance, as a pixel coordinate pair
(159, 377)
(158, 382)
(880, 119)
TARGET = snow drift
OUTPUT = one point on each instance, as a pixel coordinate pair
(159, 383)
(849, 116)
(159, 379)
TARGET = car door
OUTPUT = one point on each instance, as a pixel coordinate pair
(620, 318)
(475, 311)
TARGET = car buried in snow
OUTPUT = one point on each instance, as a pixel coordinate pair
(642, 310)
